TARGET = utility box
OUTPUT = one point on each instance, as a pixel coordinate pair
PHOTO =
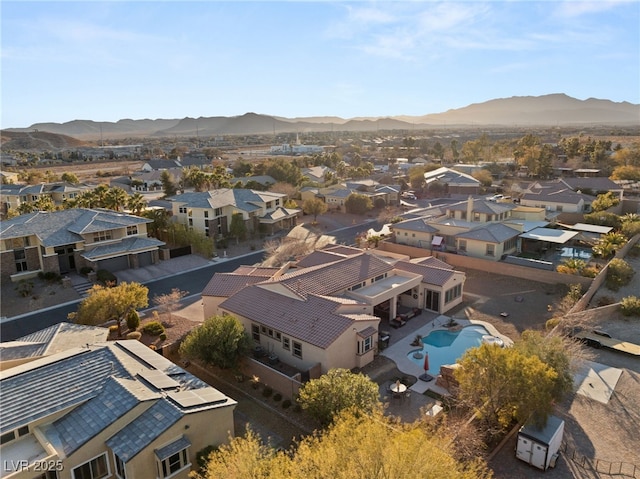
(540, 447)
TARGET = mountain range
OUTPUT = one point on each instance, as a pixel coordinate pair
(546, 110)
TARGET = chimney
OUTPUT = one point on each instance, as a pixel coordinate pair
(469, 208)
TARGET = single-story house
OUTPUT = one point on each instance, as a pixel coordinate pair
(319, 312)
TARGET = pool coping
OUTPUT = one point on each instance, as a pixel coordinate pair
(398, 351)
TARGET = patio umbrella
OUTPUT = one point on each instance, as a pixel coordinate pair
(426, 361)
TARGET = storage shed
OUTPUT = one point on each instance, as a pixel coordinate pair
(540, 446)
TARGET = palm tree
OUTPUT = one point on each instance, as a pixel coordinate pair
(115, 199)
(136, 203)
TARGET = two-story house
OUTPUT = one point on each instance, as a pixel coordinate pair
(12, 196)
(106, 409)
(68, 240)
(211, 212)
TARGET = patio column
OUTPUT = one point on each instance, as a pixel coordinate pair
(393, 307)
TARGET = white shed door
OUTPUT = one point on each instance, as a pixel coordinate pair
(539, 455)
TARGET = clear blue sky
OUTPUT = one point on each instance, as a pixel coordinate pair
(106, 61)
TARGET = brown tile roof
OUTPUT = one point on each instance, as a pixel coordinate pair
(317, 258)
(312, 319)
(263, 271)
(226, 284)
(430, 274)
(431, 261)
(337, 276)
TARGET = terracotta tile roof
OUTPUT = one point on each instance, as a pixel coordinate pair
(319, 257)
(435, 262)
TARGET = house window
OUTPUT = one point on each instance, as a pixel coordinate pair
(48, 475)
(174, 463)
(365, 345)
(476, 217)
(132, 230)
(101, 236)
(255, 332)
(20, 258)
(453, 293)
(182, 209)
(297, 349)
(278, 202)
(462, 245)
(95, 468)
(218, 212)
(19, 242)
(120, 469)
(286, 343)
(191, 222)
(491, 250)
(463, 215)
(559, 208)
(206, 214)
(11, 435)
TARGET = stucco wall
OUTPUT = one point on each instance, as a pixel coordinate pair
(497, 267)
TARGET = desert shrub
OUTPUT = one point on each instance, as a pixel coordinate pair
(163, 336)
(113, 328)
(85, 270)
(154, 328)
(286, 404)
(590, 272)
(106, 278)
(551, 323)
(133, 320)
(267, 391)
(277, 397)
(24, 288)
(618, 274)
(134, 335)
(630, 306)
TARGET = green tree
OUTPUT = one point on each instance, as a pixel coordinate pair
(314, 207)
(108, 304)
(619, 274)
(238, 228)
(220, 341)
(44, 203)
(358, 204)
(355, 446)
(116, 199)
(136, 203)
(608, 244)
(70, 178)
(554, 351)
(604, 202)
(503, 385)
(169, 185)
(337, 391)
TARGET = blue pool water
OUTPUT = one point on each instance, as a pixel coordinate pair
(445, 347)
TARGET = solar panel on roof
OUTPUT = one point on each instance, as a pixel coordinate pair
(149, 356)
(197, 397)
(158, 379)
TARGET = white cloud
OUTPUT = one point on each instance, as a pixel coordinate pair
(573, 8)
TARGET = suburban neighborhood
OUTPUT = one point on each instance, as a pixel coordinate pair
(318, 267)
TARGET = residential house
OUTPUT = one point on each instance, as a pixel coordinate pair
(475, 227)
(68, 240)
(159, 164)
(46, 342)
(145, 181)
(594, 185)
(453, 182)
(319, 313)
(265, 181)
(556, 196)
(107, 409)
(317, 174)
(336, 196)
(12, 196)
(211, 212)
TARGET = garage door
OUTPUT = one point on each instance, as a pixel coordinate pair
(145, 259)
(114, 264)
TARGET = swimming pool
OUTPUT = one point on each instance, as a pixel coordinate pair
(445, 347)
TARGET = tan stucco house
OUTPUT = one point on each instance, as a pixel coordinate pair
(319, 313)
(211, 212)
(109, 409)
